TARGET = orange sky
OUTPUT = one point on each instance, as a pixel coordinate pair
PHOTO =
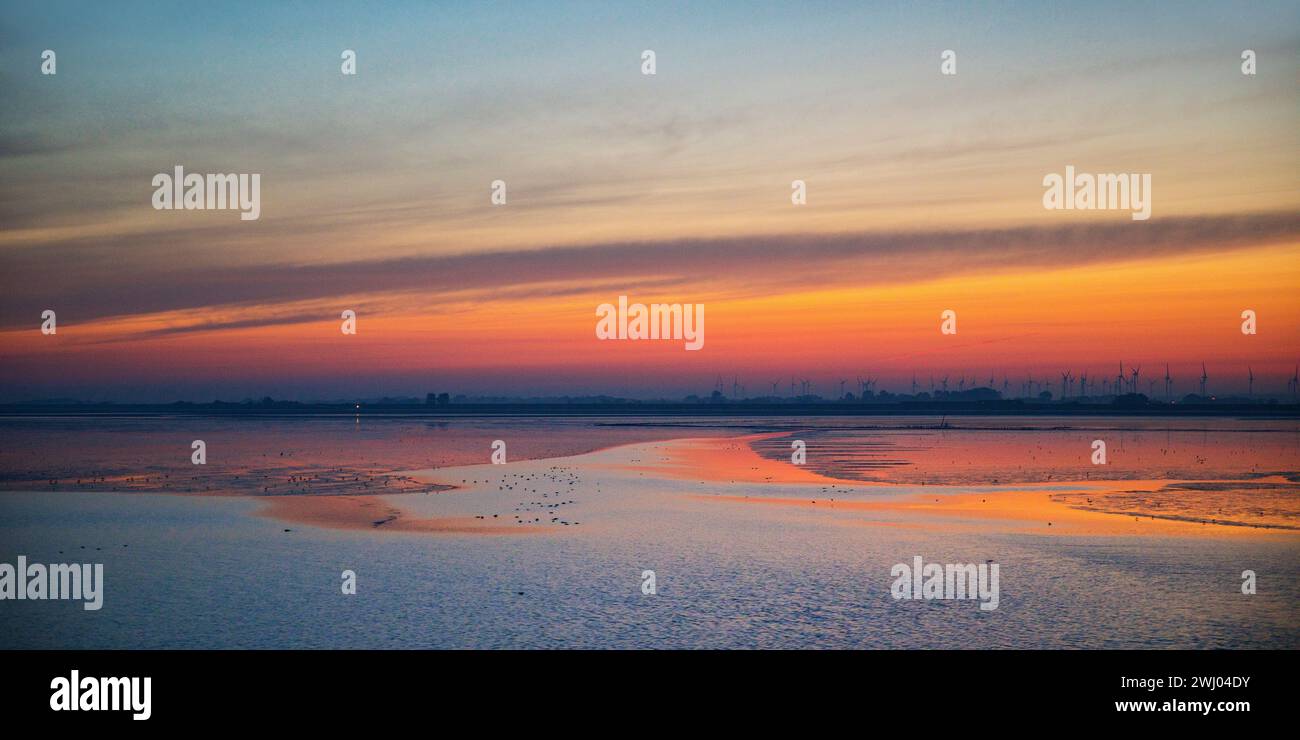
(1084, 319)
(924, 194)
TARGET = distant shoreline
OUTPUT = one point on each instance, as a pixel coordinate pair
(1011, 408)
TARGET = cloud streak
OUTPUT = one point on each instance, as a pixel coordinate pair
(725, 266)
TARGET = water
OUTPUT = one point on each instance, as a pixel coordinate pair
(209, 571)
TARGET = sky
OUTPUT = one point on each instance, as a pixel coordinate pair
(924, 194)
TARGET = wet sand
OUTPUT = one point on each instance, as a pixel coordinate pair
(371, 513)
(728, 470)
(1039, 508)
(1218, 478)
(728, 460)
(749, 552)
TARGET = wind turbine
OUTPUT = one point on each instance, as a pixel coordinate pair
(1252, 380)
(1119, 380)
(913, 384)
(1293, 384)
(944, 383)
(1083, 385)
(1204, 378)
(1169, 382)
(774, 383)
(1136, 372)
(1066, 378)
(842, 382)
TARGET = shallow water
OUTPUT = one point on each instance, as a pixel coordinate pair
(203, 571)
(978, 450)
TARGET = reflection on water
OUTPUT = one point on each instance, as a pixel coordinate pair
(981, 450)
(277, 456)
(202, 571)
(1225, 471)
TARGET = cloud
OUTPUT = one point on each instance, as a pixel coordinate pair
(96, 289)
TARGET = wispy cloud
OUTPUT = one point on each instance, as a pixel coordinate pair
(729, 266)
